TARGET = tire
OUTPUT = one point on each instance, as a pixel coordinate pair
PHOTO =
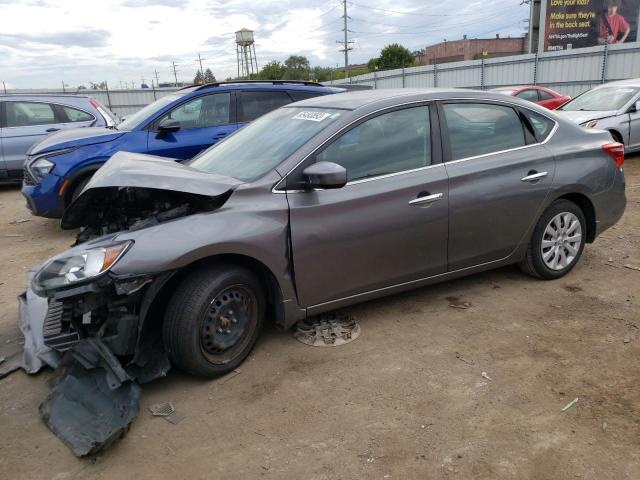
(202, 333)
(559, 254)
(78, 187)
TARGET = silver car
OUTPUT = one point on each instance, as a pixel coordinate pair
(27, 119)
(614, 107)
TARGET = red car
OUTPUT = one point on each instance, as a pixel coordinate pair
(541, 95)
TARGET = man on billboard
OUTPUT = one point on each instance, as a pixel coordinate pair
(614, 28)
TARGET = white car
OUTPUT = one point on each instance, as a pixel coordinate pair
(614, 107)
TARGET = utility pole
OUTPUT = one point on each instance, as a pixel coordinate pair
(175, 72)
(4, 86)
(63, 88)
(199, 60)
(157, 79)
(346, 42)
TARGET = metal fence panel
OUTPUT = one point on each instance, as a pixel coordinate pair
(569, 71)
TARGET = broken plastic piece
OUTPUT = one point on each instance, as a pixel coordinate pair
(162, 409)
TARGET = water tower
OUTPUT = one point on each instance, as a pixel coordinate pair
(246, 54)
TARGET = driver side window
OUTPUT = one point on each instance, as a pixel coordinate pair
(389, 143)
(206, 111)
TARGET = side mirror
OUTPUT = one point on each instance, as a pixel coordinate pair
(325, 175)
(636, 107)
(168, 125)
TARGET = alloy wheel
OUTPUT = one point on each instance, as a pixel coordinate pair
(561, 241)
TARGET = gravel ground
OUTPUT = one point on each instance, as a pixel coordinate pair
(405, 400)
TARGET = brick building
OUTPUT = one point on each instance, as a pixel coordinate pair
(471, 49)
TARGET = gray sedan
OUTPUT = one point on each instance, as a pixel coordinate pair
(316, 206)
(614, 107)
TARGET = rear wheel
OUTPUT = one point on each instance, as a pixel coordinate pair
(213, 320)
(557, 241)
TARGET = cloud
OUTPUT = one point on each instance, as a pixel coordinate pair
(79, 38)
(154, 3)
(130, 44)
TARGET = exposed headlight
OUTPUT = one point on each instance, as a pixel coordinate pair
(40, 168)
(90, 263)
(591, 123)
(40, 165)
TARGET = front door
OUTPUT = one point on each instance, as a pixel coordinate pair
(499, 175)
(25, 124)
(387, 226)
(204, 120)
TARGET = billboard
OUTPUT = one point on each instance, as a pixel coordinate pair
(586, 23)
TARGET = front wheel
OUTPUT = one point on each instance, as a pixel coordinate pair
(213, 320)
(557, 241)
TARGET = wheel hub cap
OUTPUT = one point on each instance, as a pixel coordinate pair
(226, 320)
(561, 241)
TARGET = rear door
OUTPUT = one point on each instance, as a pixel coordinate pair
(26, 122)
(499, 176)
(255, 103)
(73, 117)
(388, 225)
(204, 120)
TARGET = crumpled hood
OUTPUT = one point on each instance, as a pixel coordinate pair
(128, 173)
(75, 137)
(580, 117)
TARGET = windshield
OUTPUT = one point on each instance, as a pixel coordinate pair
(601, 99)
(263, 144)
(135, 119)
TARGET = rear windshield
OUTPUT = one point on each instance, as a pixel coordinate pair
(601, 99)
(265, 143)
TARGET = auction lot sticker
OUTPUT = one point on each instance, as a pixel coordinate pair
(312, 116)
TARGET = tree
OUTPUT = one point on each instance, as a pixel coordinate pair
(372, 65)
(98, 85)
(199, 78)
(273, 70)
(208, 76)
(297, 68)
(394, 56)
(323, 74)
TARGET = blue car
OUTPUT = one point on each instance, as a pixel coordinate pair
(179, 125)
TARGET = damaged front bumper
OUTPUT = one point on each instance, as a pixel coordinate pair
(105, 338)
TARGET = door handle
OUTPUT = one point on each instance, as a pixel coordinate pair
(427, 199)
(49, 130)
(219, 136)
(534, 176)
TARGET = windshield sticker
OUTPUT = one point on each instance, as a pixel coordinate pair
(312, 116)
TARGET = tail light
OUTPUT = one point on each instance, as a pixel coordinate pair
(93, 103)
(615, 151)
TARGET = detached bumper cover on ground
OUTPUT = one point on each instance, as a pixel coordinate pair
(94, 336)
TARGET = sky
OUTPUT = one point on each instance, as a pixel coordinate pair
(46, 42)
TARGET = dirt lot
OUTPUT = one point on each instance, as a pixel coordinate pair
(405, 400)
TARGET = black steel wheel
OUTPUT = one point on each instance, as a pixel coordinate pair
(213, 320)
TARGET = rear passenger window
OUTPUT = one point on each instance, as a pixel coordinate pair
(75, 115)
(531, 95)
(542, 126)
(544, 95)
(25, 114)
(481, 128)
(255, 104)
(299, 95)
(389, 143)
